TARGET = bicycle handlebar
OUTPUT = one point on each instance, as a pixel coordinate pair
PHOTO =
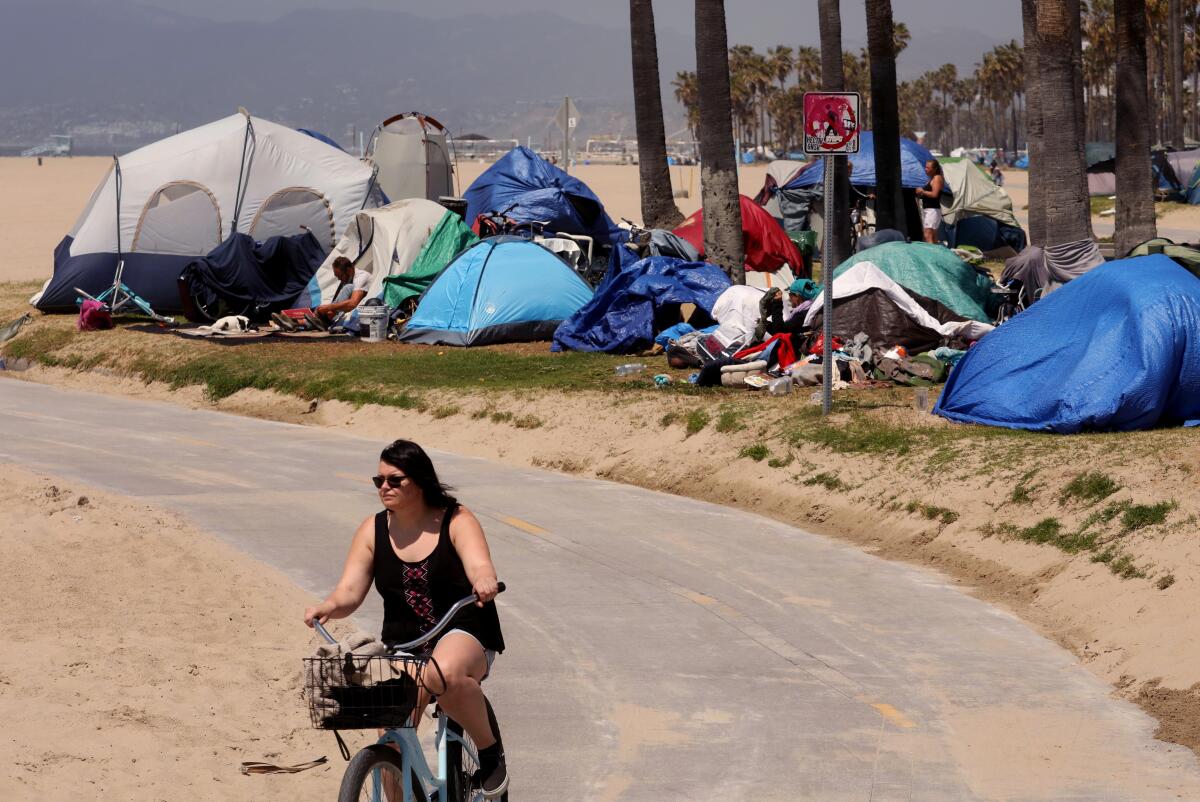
(428, 636)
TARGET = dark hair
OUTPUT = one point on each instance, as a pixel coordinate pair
(412, 459)
(937, 167)
(342, 262)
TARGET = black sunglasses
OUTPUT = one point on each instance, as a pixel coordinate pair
(393, 480)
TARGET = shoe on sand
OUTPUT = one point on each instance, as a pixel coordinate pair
(315, 321)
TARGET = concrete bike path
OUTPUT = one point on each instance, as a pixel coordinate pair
(659, 648)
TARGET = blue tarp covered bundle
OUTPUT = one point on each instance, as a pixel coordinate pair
(526, 187)
(862, 166)
(1117, 349)
(264, 277)
(502, 289)
(620, 317)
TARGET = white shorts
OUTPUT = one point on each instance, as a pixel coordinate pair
(931, 218)
(489, 654)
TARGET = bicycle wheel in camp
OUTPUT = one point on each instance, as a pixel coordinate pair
(376, 774)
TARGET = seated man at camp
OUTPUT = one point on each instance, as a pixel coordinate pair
(349, 294)
(778, 319)
(931, 204)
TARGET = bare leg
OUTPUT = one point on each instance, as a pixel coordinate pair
(931, 236)
(463, 666)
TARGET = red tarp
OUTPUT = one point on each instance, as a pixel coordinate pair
(767, 246)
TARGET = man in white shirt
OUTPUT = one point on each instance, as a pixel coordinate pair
(351, 292)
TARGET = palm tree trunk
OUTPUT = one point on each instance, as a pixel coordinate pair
(833, 79)
(1175, 51)
(1135, 189)
(1065, 197)
(658, 203)
(718, 166)
(885, 116)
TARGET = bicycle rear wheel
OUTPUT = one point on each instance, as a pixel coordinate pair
(376, 774)
(462, 761)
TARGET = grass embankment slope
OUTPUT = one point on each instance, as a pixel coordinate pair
(1092, 538)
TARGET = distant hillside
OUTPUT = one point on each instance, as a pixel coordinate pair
(94, 66)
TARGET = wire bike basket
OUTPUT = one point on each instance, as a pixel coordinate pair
(355, 692)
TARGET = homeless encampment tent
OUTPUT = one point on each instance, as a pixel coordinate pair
(1185, 256)
(765, 245)
(407, 240)
(1042, 270)
(1117, 349)
(779, 172)
(634, 304)
(501, 289)
(163, 205)
(975, 211)
(244, 277)
(934, 272)
(412, 156)
(866, 300)
(525, 187)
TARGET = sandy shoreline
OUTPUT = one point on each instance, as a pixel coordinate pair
(146, 660)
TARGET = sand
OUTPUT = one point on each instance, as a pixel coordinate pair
(145, 660)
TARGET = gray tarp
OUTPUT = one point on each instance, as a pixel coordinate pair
(1046, 269)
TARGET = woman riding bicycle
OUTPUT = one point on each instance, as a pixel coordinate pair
(424, 551)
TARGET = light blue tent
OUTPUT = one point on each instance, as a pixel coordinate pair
(502, 289)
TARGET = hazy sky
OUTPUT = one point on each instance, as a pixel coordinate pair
(760, 23)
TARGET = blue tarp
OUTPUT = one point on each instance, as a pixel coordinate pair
(620, 317)
(503, 289)
(264, 277)
(1022, 163)
(1117, 349)
(528, 188)
(862, 166)
(317, 135)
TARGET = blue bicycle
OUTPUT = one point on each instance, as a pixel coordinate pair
(364, 692)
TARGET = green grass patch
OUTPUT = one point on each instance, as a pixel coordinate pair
(729, 421)
(780, 462)
(829, 481)
(38, 342)
(1089, 488)
(1139, 516)
(1123, 566)
(757, 452)
(932, 512)
(1050, 531)
(695, 422)
(528, 422)
(447, 411)
(1165, 581)
(1021, 494)
(668, 419)
(501, 417)
(1101, 203)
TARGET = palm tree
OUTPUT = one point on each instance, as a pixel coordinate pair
(658, 204)
(1033, 123)
(885, 122)
(1175, 51)
(832, 80)
(718, 170)
(1061, 167)
(808, 68)
(1135, 190)
(687, 94)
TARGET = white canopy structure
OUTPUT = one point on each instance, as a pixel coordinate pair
(165, 204)
(412, 155)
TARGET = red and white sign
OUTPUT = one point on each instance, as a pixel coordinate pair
(830, 123)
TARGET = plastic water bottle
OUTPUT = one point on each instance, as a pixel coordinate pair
(780, 386)
(630, 368)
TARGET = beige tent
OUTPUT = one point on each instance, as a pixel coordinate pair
(412, 153)
(974, 193)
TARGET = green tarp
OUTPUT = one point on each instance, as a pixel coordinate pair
(935, 272)
(448, 239)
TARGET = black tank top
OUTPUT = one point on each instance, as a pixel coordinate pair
(417, 595)
(930, 203)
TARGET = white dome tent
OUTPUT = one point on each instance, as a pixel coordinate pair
(163, 205)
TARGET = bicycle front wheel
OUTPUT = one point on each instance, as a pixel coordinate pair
(376, 774)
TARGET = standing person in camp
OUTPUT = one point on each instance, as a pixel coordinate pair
(424, 551)
(931, 204)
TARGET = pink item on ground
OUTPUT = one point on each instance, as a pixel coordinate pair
(93, 315)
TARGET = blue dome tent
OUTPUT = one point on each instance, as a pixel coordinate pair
(526, 187)
(503, 289)
(1117, 349)
(862, 166)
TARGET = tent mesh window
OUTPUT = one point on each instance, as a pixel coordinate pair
(181, 218)
(287, 212)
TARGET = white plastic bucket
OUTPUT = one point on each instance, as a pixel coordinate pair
(374, 321)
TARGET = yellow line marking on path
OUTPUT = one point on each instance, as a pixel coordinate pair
(893, 715)
(524, 526)
(699, 598)
(184, 439)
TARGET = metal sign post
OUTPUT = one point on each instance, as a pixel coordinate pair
(830, 129)
(567, 118)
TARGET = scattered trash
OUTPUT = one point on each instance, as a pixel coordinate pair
(921, 399)
(780, 386)
(662, 380)
(630, 368)
(693, 377)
